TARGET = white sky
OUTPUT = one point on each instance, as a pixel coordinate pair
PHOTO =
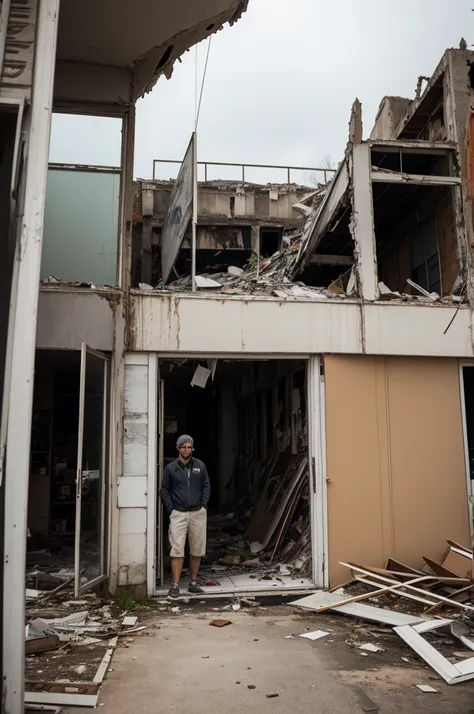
(281, 82)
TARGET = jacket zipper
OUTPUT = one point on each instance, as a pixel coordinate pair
(189, 481)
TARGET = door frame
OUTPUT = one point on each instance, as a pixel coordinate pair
(78, 588)
(317, 456)
(469, 481)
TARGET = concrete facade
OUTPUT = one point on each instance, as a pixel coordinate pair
(372, 336)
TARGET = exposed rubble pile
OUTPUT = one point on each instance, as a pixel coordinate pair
(270, 541)
(411, 602)
(69, 642)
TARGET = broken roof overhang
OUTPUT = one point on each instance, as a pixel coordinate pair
(145, 38)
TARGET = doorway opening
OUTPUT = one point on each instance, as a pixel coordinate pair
(248, 420)
(68, 467)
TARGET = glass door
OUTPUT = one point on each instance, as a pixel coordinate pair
(90, 562)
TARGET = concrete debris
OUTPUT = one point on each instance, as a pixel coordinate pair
(316, 635)
(369, 647)
(91, 633)
(427, 688)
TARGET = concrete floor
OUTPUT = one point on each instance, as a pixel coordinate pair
(183, 666)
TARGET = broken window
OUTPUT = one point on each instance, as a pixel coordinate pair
(414, 218)
(270, 241)
(81, 222)
(427, 121)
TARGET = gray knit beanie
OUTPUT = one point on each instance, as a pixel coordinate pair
(184, 439)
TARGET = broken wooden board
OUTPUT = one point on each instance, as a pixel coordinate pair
(442, 570)
(66, 694)
(460, 547)
(458, 561)
(360, 610)
(100, 674)
(395, 585)
(402, 568)
(42, 644)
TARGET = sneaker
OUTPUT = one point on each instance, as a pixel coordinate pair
(173, 592)
(194, 588)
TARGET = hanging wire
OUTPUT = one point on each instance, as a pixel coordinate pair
(195, 84)
(203, 80)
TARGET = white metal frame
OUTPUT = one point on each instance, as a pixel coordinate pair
(317, 461)
(23, 338)
(451, 673)
(20, 105)
(469, 483)
(78, 588)
(151, 530)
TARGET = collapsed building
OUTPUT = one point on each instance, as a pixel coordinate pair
(366, 293)
(323, 365)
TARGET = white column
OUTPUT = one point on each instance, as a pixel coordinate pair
(317, 471)
(363, 222)
(23, 356)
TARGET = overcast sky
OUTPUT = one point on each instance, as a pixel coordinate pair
(281, 82)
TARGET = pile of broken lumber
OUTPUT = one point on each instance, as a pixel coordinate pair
(448, 584)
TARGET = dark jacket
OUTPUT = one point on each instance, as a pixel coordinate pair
(185, 488)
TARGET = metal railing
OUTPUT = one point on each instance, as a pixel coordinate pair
(288, 169)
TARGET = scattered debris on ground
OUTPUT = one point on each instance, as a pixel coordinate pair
(446, 585)
(70, 642)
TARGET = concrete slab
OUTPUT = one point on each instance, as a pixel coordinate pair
(183, 665)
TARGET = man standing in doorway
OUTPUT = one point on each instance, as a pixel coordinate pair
(185, 494)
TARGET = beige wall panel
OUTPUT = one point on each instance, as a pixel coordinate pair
(427, 457)
(353, 463)
(395, 460)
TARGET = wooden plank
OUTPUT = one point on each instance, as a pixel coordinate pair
(411, 585)
(459, 562)
(42, 644)
(441, 570)
(62, 687)
(359, 610)
(366, 596)
(396, 565)
(62, 699)
(100, 674)
(458, 595)
(459, 547)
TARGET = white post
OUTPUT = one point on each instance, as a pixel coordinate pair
(317, 471)
(152, 494)
(363, 222)
(195, 214)
(23, 356)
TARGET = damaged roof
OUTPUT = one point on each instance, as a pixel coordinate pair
(146, 37)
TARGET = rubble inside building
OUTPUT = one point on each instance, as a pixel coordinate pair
(414, 190)
(254, 441)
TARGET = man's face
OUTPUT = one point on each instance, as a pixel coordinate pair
(185, 451)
